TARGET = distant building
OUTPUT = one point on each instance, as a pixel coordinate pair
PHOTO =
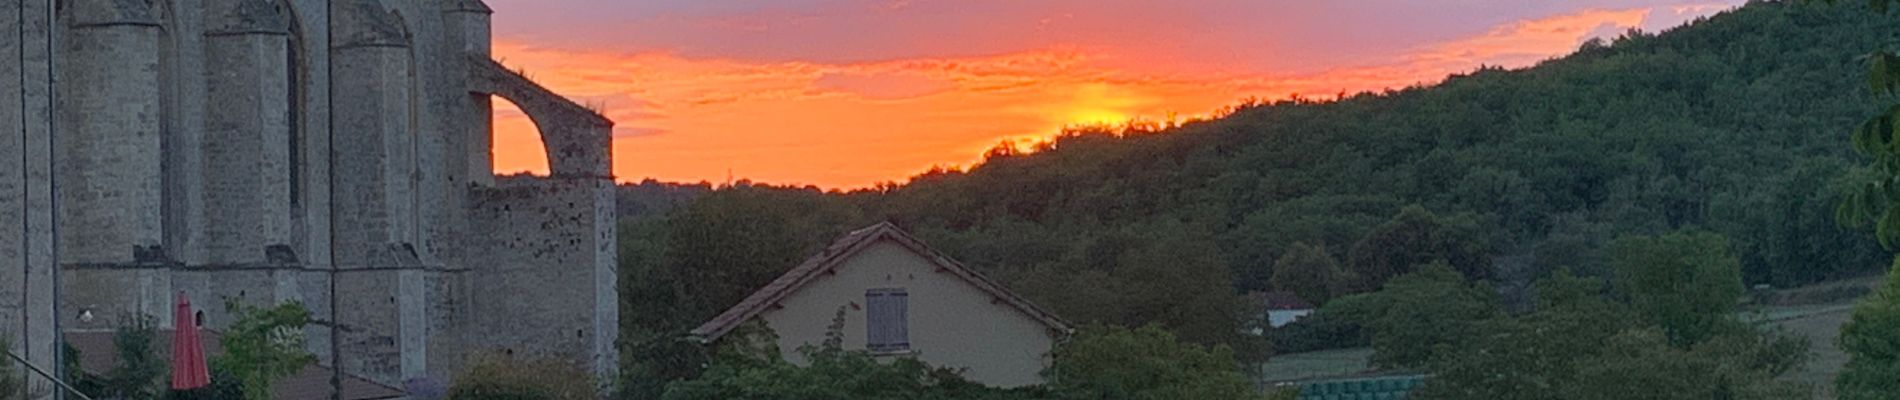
(900, 298)
(1280, 308)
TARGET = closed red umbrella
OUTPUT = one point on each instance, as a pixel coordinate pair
(188, 355)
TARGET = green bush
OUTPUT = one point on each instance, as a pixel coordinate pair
(836, 374)
(263, 346)
(1318, 331)
(1685, 282)
(501, 377)
(1579, 344)
(1143, 364)
(1419, 313)
(11, 386)
(1871, 342)
(140, 368)
(224, 386)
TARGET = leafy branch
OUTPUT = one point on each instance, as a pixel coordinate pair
(264, 345)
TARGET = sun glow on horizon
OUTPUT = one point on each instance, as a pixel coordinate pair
(1098, 104)
(845, 125)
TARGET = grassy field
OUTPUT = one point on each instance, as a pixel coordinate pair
(1820, 328)
(1820, 323)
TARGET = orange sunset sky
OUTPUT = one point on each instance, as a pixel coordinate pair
(846, 94)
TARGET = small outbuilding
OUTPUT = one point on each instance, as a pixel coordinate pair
(1281, 308)
(900, 298)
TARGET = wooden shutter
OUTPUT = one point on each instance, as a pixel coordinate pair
(900, 320)
(874, 320)
(887, 320)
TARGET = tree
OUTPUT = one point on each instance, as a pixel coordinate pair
(683, 269)
(12, 387)
(1526, 357)
(1877, 199)
(1685, 282)
(1420, 313)
(1173, 277)
(1642, 364)
(139, 367)
(1538, 356)
(263, 346)
(1146, 363)
(1417, 237)
(75, 374)
(733, 241)
(1870, 339)
(1308, 271)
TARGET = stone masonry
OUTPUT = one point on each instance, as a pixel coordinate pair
(334, 153)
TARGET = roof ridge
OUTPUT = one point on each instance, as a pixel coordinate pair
(856, 240)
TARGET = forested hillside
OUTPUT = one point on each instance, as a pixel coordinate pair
(1736, 125)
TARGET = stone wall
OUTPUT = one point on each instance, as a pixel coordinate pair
(27, 263)
(245, 151)
(108, 145)
(555, 232)
(553, 237)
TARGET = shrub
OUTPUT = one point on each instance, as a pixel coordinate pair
(836, 374)
(1686, 282)
(140, 368)
(11, 386)
(1419, 312)
(501, 377)
(1144, 363)
(1871, 339)
(1319, 331)
(263, 346)
(224, 386)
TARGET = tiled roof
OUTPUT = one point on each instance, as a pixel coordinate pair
(842, 250)
(1279, 301)
(96, 356)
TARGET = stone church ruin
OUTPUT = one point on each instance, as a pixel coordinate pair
(335, 153)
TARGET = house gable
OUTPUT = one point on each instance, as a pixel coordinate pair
(826, 263)
(955, 317)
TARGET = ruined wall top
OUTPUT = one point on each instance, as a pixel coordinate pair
(474, 6)
(578, 140)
